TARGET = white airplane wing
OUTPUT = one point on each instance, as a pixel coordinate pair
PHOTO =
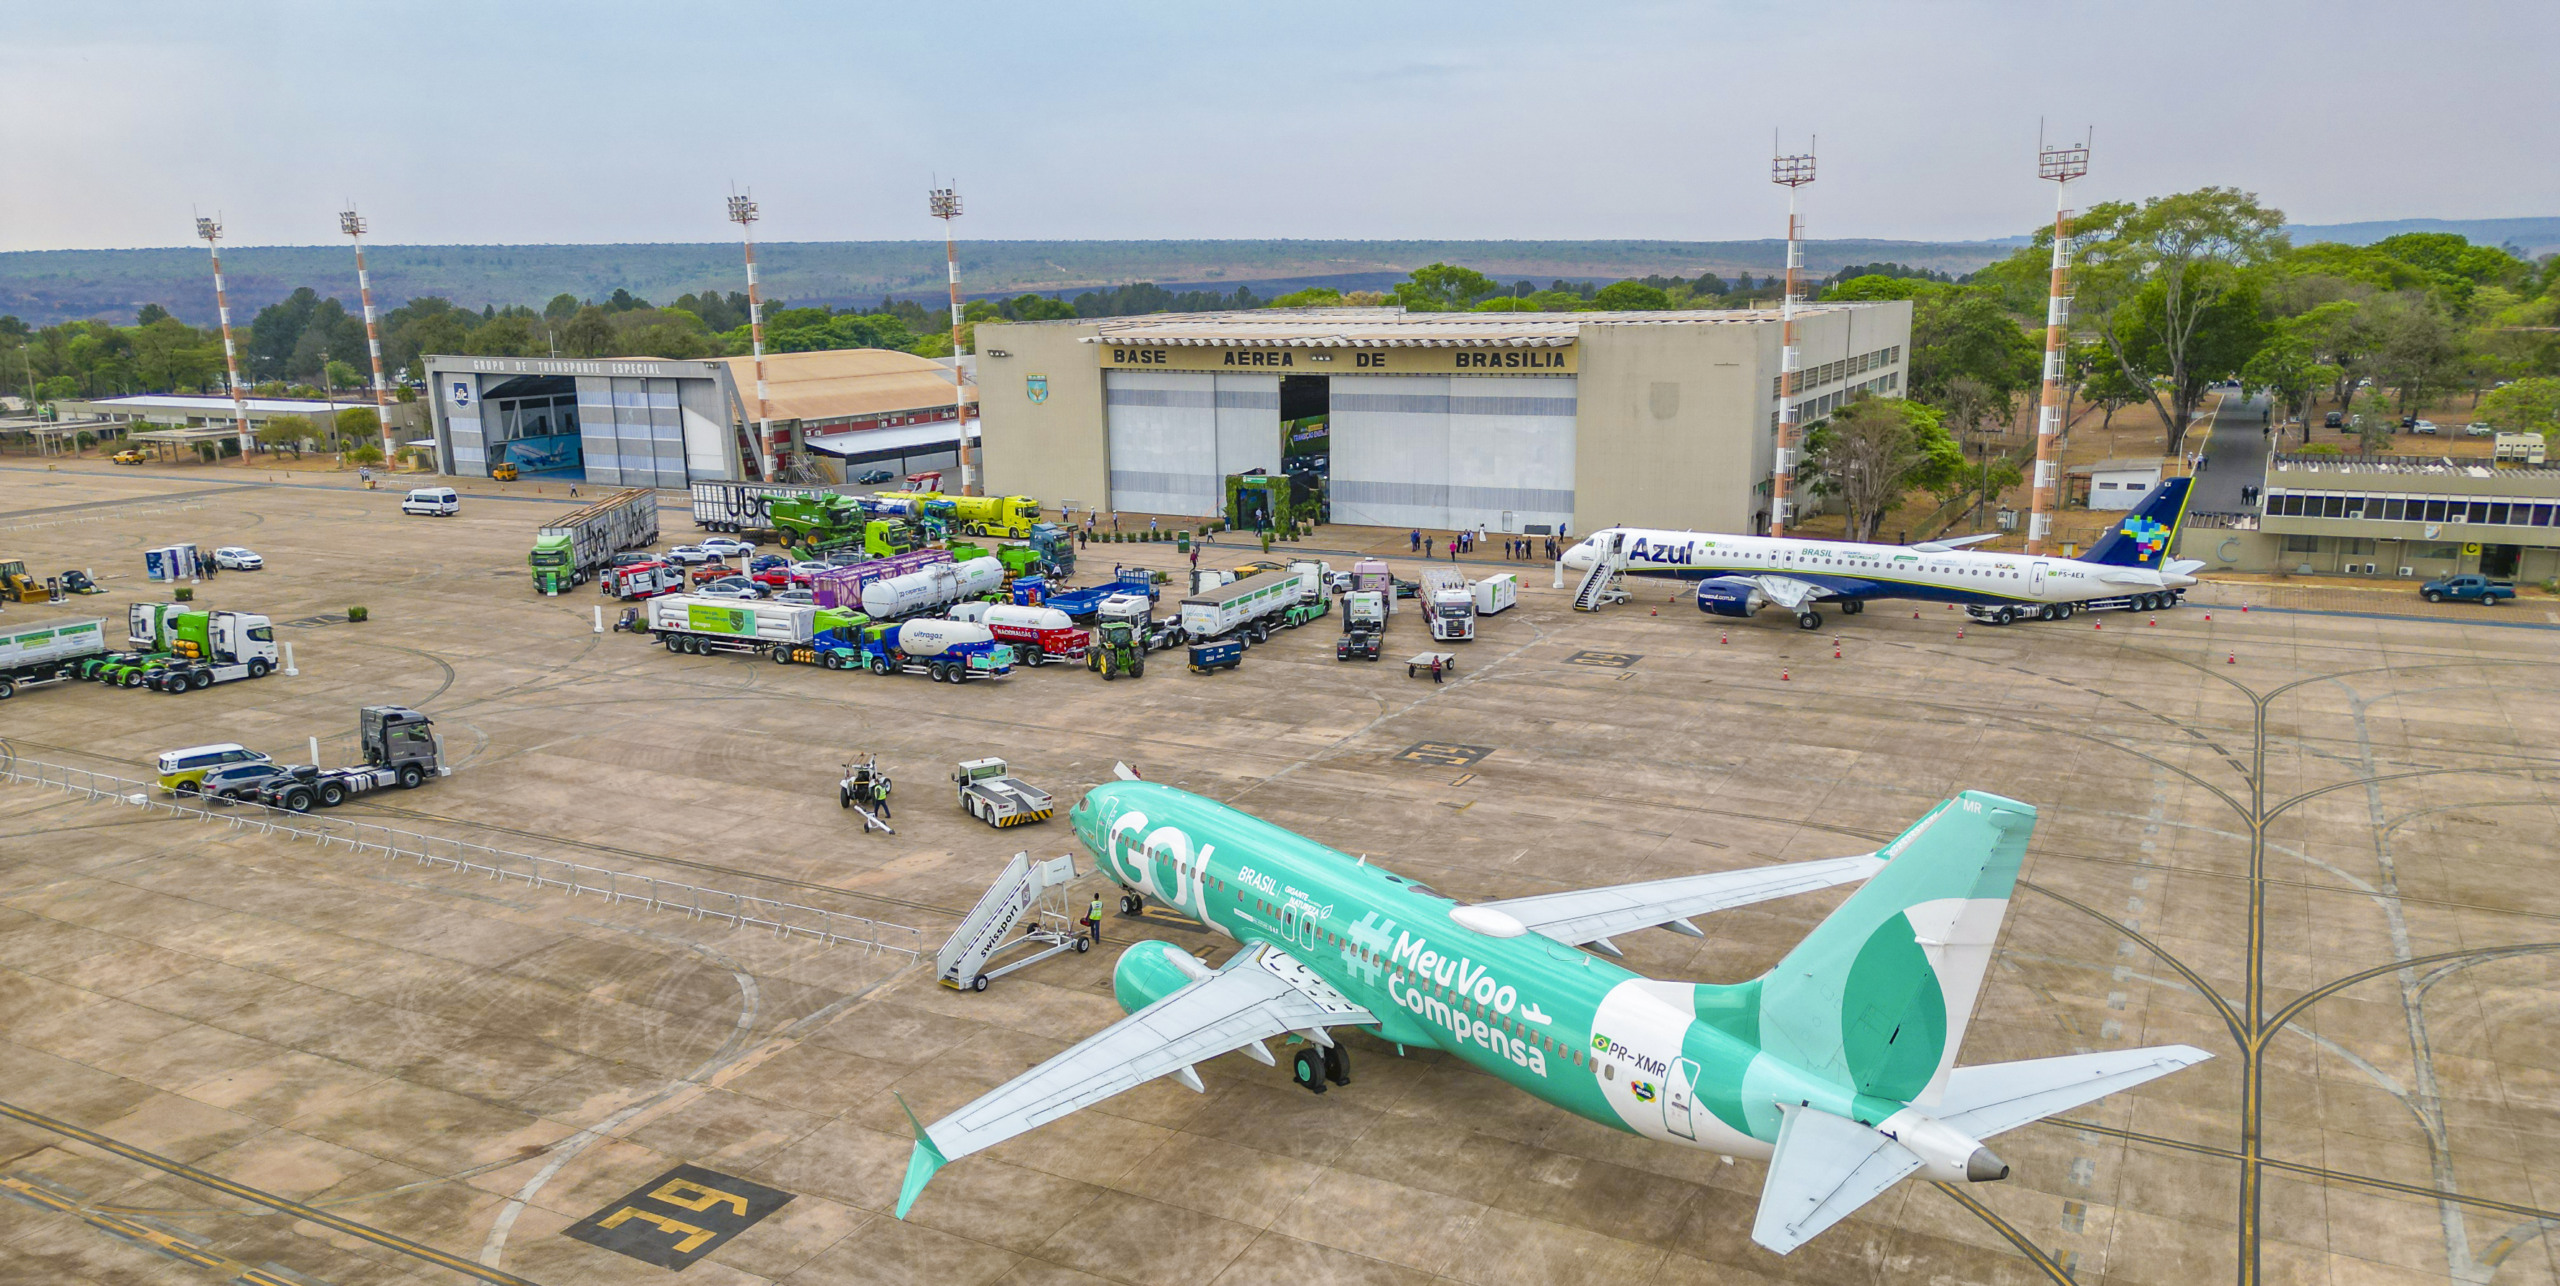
(1824, 1167)
(1788, 592)
(1593, 915)
(1263, 992)
(1943, 546)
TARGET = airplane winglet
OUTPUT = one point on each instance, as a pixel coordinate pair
(921, 1164)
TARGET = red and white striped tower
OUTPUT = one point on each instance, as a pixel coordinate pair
(742, 211)
(353, 225)
(1789, 172)
(211, 231)
(2061, 165)
(945, 204)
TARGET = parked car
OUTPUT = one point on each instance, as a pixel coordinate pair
(2467, 588)
(874, 477)
(236, 782)
(2480, 429)
(182, 770)
(847, 560)
(797, 597)
(233, 558)
(634, 558)
(730, 587)
(690, 554)
(729, 547)
(2427, 427)
(763, 562)
(779, 578)
(712, 571)
(130, 455)
(2334, 420)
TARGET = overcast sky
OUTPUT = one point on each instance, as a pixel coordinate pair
(468, 121)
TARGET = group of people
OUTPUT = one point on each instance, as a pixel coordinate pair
(1522, 548)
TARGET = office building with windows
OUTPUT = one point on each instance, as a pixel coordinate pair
(2392, 517)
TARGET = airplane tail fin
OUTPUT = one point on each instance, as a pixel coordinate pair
(1878, 995)
(2144, 537)
(1826, 1166)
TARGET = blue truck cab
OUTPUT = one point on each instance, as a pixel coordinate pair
(2467, 588)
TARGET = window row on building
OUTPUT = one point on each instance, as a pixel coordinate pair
(1834, 372)
(2462, 509)
(1815, 408)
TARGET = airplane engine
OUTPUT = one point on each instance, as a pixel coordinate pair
(1729, 596)
(1150, 971)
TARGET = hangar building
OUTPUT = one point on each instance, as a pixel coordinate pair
(663, 422)
(1520, 422)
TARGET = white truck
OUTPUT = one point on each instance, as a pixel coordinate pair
(742, 506)
(701, 626)
(1373, 574)
(1448, 606)
(937, 586)
(572, 548)
(180, 649)
(1497, 592)
(991, 793)
(41, 654)
(1251, 607)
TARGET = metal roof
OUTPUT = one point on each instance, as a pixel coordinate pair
(844, 382)
(2443, 466)
(221, 404)
(1395, 328)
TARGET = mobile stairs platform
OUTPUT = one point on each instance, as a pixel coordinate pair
(1037, 889)
(1606, 582)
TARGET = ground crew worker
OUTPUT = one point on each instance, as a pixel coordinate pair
(880, 797)
(1435, 669)
(1093, 919)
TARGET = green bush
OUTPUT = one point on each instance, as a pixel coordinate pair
(367, 454)
(357, 613)
(184, 594)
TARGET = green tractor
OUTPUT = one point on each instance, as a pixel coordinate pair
(1115, 651)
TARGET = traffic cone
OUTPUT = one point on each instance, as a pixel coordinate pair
(2155, 620)
(1915, 613)
(2232, 659)
(1782, 676)
(1720, 637)
(1959, 631)
(2208, 616)
(1835, 651)
(2244, 607)
(1657, 611)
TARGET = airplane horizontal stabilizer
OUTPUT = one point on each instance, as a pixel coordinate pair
(1824, 1167)
(1994, 1097)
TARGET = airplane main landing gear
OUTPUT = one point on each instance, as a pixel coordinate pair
(1808, 619)
(1337, 1065)
(1852, 606)
(1132, 904)
(1308, 1069)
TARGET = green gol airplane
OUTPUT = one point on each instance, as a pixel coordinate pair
(1837, 1066)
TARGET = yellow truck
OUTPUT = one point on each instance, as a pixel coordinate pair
(1011, 517)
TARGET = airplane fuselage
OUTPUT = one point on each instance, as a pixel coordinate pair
(1850, 569)
(1673, 1061)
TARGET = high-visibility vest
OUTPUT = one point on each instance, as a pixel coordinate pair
(1096, 912)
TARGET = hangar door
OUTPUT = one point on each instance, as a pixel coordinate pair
(1176, 435)
(1453, 451)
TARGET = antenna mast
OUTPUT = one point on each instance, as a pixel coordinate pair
(1789, 172)
(945, 205)
(742, 211)
(353, 224)
(2060, 165)
(211, 231)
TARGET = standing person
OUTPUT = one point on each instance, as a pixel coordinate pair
(1415, 536)
(1453, 549)
(880, 796)
(1093, 919)
(1195, 558)
(1435, 667)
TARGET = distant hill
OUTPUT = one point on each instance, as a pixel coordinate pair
(48, 286)
(2536, 237)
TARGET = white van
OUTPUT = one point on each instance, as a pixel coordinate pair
(434, 501)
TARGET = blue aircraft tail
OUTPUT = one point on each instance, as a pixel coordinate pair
(2144, 537)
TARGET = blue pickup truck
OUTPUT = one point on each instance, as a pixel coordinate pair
(2467, 589)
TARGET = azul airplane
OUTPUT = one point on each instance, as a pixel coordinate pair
(1837, 1066)
(1738, 575)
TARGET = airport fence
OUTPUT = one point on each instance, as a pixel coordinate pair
(740, 910)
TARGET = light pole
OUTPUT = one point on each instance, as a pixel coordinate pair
(742, 211)
(211, 231)
(945, 205)
(353, 224)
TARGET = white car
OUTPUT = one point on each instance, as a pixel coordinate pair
(2427, 427)
(732, 587)
(797, 597)
(728, 547)
(232, 558)
(691, 554)
(2480, 429)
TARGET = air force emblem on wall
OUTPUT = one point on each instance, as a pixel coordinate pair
(1036, 387)
(462, 392)
(2148, 534)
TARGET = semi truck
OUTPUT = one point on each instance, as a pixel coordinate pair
(1251, 607)
(176, 650)
(573, 548)
(1448, 606)
(931, 588)
(1036, 634)
(701, 626)
(842, 586)
(742, 506)
(1373, 574)
(945, 651)
(1011, 517)
(41, 654)
(400, 749)
(1082, 601)
(1496, 593)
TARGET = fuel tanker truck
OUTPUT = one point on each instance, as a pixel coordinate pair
(1036, 634)
(931, 588)
(945, 651)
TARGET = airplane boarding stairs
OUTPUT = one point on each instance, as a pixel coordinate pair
(1605, 583)
(1026, 887)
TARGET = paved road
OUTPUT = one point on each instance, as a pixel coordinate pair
(2235, 456)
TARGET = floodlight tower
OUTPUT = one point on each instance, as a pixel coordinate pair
(945, 205)
(353, 225)
(1791, 173)
(211, 231)
(742, 211)
(2060, 165)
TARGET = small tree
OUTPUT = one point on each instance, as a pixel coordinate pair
(2526, 406)
(1873, 450)
(369, 453)
(287, 431)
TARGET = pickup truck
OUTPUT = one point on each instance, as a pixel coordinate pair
(2467, 589)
